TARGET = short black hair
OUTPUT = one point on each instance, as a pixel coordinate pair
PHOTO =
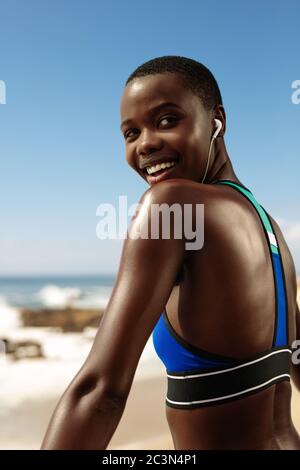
(196, 76)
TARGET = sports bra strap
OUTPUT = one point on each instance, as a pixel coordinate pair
(281, 319)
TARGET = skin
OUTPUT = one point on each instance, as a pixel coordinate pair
(225, 286)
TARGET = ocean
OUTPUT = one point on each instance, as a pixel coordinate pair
(56, 291)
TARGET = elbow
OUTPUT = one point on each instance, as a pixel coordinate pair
(97, 395)
(86, 405)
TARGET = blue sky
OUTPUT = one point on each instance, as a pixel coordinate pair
(65, 63)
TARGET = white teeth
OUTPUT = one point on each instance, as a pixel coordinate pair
(160, 166)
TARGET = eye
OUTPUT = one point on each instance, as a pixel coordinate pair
(168, 118)
(127, 134)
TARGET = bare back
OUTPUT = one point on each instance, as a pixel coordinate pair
(225, 304)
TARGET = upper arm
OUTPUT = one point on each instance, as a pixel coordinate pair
(146, 275)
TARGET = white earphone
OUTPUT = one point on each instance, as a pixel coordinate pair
(215, 134)
(219, 127)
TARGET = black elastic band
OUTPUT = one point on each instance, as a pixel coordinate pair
(193, 390)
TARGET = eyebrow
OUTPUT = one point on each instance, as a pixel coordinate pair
(159, 107)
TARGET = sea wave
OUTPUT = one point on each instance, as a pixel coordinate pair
(9, 316)
(58, 297)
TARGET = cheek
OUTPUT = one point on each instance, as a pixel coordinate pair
(129, 157)
(198, 140)
(190, 137)
(179, 141)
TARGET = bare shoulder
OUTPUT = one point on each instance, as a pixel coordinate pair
(174, 189)
(183, 191)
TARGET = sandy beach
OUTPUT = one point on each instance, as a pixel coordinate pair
(143, 424)
(31, 388)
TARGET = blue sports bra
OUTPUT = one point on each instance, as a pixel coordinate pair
(198, 378)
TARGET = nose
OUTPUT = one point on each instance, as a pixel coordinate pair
(149, 142)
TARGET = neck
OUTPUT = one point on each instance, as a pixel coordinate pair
(222, 166)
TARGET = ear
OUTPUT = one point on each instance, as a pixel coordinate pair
(219, 113)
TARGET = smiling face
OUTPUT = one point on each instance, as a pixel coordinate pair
(163, 121)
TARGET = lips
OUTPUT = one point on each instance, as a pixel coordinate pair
(155, 161)
(161, 174)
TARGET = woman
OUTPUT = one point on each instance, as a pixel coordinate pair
(229, 308)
